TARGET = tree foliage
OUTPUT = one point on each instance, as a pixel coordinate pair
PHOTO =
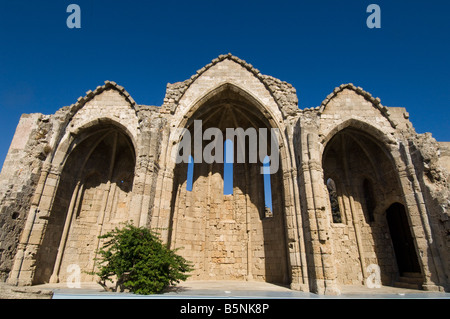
(137, 260)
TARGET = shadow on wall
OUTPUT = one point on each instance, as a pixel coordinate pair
(219, 217)
(95, 182)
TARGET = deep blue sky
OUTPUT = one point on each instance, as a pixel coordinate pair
(143, 45)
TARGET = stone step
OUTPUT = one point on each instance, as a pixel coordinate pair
(412, 274)
(407, 285)
(411, 280)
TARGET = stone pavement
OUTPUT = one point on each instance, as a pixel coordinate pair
(238, 290)
(14, 292)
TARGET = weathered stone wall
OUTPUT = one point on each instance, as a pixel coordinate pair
(61, 186)
(18, 180)
(434, 184)
(228, 237)
(224, 236)
(444, 148)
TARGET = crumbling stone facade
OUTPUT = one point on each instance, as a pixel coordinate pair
(357, 187)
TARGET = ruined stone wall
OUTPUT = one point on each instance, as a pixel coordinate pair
(74, 188)
(228, 237)
(19, 177)
(433, 180)
(225, 236)
(444, 148)
(59, 190)
(358, 240)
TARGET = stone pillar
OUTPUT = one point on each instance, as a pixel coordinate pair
(295, 241)
(24, 262)
(55, 275)
(142, 189)
(160, 216)
(323, 262)
(294, 233)
(146, 174)
(161, 220)
(427, 253)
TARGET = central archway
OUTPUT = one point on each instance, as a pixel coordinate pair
(229, 235)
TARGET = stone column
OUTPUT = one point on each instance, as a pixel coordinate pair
(161, 220)
(55, 275)
(146, 175)
(294, 233)
(163, 189)
(139, 208)
(24, 263)
(427, 253)
(295, 241)
(324, 270)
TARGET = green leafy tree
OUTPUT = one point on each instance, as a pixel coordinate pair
(137, 260)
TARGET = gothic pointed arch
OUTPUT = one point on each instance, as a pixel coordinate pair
(374, 101)
(90, 95)
(282, 93)
(92, 196)
(107, 104)
(360, 160)
(374, 132)
(208, 221)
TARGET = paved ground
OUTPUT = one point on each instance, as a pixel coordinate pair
(236, 289)
(13, 292)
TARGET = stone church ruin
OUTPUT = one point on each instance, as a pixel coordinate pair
(356, 186)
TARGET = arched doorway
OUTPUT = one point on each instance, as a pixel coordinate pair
(92, 198)
(219, 217)
(402, 240)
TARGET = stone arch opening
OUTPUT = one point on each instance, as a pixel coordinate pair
(92, 197)
(368, 183)
(334, 200)
(228, 236)
(402, 239)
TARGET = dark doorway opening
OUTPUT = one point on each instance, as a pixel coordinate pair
(402, 239)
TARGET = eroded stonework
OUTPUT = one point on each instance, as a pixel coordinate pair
(357, 188)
